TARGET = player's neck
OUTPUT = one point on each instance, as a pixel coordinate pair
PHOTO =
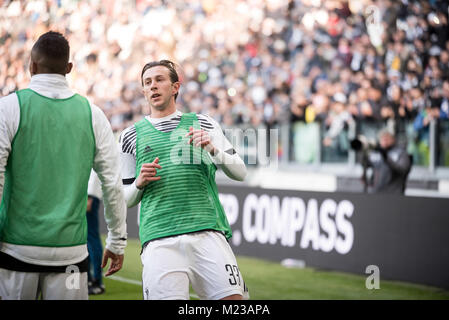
(163, 113)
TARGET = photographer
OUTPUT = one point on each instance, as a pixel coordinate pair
(390, 165)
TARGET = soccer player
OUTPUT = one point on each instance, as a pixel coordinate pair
(50, 138)
(169, 161)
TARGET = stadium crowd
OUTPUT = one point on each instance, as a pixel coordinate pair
(254, 61)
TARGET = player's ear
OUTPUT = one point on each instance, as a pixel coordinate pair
(176, 86)
(69, 67)
(33, 68)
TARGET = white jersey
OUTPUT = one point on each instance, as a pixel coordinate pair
(106, 164)
(94, 186)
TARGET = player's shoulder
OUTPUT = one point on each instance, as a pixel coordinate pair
(207, 122)
(128, 134)
(9, 100)
(98, 114)
(10, 111)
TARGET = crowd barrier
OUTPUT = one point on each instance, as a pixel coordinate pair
(406, 238)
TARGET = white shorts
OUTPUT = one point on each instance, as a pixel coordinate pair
(15, 285)
(203, 259)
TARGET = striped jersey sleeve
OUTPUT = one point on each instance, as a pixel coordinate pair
(127, 139)
(127, 143)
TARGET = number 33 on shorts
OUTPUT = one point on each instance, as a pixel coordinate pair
(235, 279)
(233, 273)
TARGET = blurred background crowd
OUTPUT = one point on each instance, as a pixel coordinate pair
(334, 64)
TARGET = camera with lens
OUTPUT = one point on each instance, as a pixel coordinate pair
(362, 143)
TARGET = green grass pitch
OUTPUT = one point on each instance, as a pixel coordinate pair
(271, 281)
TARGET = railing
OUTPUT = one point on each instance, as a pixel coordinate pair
(442, 150)
(302, 143)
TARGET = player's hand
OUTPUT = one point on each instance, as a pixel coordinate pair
(148, 173)
(116, 262)
(201, 138)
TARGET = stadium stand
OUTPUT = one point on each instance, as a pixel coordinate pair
(320, 72)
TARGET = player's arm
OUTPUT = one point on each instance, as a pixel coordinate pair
(127, 145)
(5, 145)
(220, 149)
(106, 165)
(132, 187)
(9, 123)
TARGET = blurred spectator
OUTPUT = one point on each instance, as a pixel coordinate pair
(337, 125)
(256, 62)
(444, 106)
(421, 125)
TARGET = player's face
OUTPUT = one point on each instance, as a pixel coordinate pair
(158, 88)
